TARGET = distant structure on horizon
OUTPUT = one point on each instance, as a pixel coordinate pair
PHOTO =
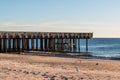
(42, 41)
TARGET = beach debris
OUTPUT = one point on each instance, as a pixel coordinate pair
(77, 69)
(81, 78)
(20, 70)
(35, 73)
(26, 72)
(97, 63)
(44, 74)
(52, 77)
(4, 68)
(63, 67)
(14, 70)
(63, 77)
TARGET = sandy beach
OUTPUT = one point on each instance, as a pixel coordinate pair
(27, 67)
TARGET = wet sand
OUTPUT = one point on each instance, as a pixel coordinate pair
(27, 67)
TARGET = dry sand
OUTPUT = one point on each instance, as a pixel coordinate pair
(26, 67)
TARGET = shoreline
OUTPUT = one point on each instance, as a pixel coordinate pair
(82, 55)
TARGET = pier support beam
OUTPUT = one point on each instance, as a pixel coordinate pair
(41, 44)
(46, 46)
(86, 45)
(27, 43)
(52, 44)
(36, 43)
(57, 44)
(70, 45)
(73, 44)
(62, 45)
(23, 47)
(0, 45)
(32, 42)
(5, 45)
(13, 45)
(18, 44)
(78, 45)
(9, 42)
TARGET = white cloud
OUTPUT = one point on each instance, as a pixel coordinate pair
(99, 29)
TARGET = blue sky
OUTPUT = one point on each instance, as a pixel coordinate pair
(101, 17)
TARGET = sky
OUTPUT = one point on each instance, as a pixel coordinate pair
(102, 17)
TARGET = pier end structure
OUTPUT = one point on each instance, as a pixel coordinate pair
(42, 41)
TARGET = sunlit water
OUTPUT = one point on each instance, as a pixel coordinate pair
(106, 47)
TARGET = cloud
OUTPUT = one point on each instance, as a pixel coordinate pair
(60, 23)
(99, 29)
(14, 24)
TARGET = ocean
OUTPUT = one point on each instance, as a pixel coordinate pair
(103, 47)
(100, 47)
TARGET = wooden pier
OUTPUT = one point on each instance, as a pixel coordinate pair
(42, 41)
